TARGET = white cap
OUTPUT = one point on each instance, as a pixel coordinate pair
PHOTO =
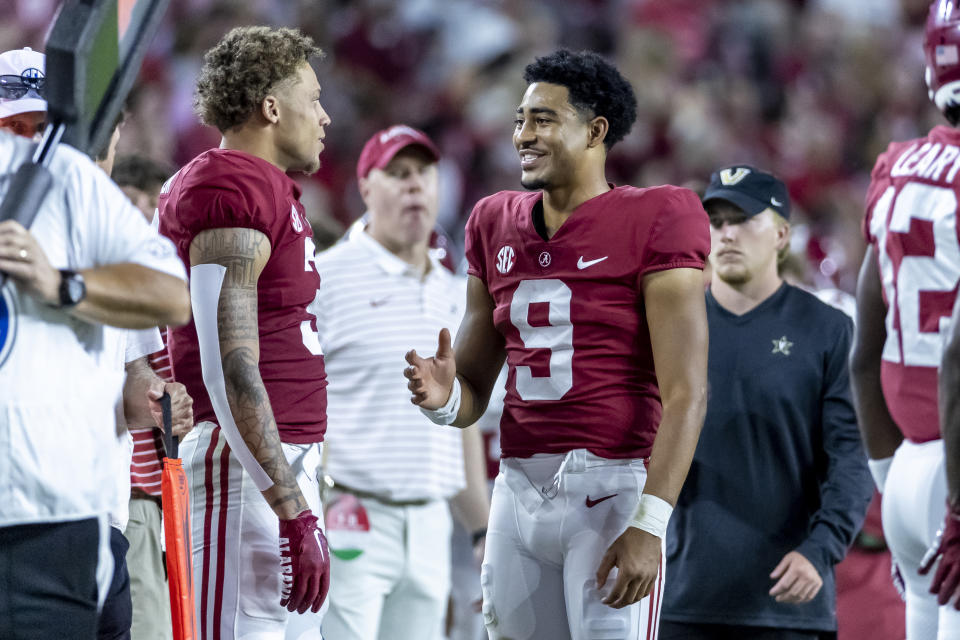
(25, 63)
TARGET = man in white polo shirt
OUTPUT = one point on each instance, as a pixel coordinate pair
(88, 259)
(388, 523)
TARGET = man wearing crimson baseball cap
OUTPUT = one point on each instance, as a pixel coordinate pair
(377, 153)
(23, 105)
(384, 145)
(394, 473)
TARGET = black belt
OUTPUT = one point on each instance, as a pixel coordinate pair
(136, 493)
(381, 499)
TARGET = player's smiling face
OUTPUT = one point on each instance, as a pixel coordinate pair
(301, 126)
(743, 248)
(403, 199)
(550, 135)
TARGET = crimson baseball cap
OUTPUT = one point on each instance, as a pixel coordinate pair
(750, 189)
(385, 144)
(22, 82)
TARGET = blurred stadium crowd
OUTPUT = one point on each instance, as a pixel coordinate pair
(812, 89)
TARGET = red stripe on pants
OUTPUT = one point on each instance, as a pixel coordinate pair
(221, 538)
(207, 527)
(656, 621)
(653, 604)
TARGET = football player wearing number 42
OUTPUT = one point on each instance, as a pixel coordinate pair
(905, 365)
(251, 358)
(594, 295)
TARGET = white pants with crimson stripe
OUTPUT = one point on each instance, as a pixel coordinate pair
(914, 506)
(552, 519)
(236, 552)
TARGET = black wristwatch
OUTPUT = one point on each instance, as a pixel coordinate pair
(72, 289)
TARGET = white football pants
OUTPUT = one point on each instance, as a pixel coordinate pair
(236, 548)
(467, 623)
(914, 505)
(551, 521)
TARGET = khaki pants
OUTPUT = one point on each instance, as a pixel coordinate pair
(148, 583)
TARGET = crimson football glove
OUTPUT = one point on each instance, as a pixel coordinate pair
(305, 564)
(946, 547)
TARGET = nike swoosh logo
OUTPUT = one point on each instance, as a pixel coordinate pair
(379, 303)
(583, 264)
(775, 202)
(593, 503)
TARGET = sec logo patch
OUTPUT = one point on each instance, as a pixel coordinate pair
(506, 258)
(295, 217)
(8, 322)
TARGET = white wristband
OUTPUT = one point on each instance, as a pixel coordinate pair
(652, 516)
(448, 412)
(879, 470)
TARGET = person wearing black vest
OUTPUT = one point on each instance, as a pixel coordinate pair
(779, 484)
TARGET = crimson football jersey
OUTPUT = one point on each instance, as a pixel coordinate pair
(911, 220)
(223, 188)
(571, 311)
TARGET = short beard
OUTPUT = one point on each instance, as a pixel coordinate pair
(533, 185)
(738, 277)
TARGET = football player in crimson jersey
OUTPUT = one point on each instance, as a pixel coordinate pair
(260, 401)
(594, 295)
(906, 354)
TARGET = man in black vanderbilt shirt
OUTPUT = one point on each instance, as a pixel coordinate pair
(779, 484)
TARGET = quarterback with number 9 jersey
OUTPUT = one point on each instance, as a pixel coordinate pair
(580, 366)
(593, 295)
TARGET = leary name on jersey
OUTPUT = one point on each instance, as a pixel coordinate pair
(911, 221)
(571, 310)
(224, 188)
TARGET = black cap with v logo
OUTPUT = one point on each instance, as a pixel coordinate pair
(749, 189)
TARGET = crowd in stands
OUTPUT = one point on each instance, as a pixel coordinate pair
(813, 89)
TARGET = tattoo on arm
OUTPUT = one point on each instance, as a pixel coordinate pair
(244, 253)
(237, 316)
(215, 245)
(293, 495)
(254, 417)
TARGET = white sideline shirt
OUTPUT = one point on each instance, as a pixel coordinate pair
(58, 451)
(374, 307)
(123, 346)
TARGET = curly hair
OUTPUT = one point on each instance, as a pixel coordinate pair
(243, 68)
(595, 86)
